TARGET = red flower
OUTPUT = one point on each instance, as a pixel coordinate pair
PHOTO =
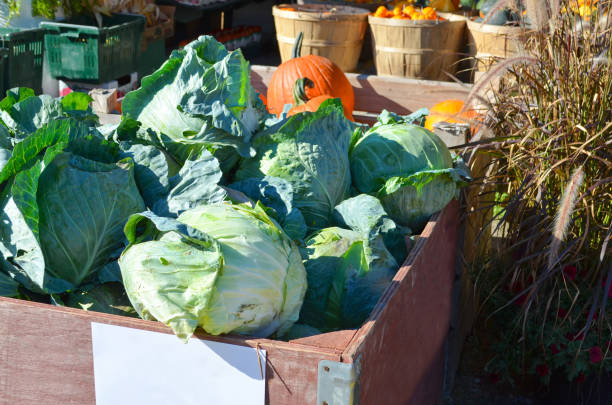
(542, 370)
(520, 300)
(561, 313)
(573, 337)
(595, 354)
(586, 314)
(494, 378)
(554, 349)
(579, 378)
(570, 272)
(603, 284)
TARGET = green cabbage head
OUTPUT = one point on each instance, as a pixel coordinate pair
(310, 152)
(409, 169)
(223, 267)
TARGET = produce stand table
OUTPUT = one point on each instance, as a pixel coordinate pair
(375, 93)
(396, 357)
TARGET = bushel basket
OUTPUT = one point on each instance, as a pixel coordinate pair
(420, 49)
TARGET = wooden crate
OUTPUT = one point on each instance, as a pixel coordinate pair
(396, 357)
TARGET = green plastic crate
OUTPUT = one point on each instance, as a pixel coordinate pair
(152, 57)
(24, 62)
(3, 59)
(79, 50)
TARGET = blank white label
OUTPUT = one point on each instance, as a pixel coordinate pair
(135, 367)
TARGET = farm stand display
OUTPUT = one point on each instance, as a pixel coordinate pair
(198, 212)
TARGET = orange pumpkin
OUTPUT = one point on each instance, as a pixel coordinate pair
(263, 98)
(327, 77)
(303, 103)
(448, 111)
(444, 5)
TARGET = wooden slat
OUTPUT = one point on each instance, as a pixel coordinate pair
(46, 356)
(401, 346)
(375, 93)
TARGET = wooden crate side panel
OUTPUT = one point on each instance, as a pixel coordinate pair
(375, 93)
(46, 357)
(401, 349)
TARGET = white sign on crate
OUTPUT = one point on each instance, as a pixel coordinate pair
(138, 367)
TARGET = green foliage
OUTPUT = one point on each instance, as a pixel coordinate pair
(310, 151)
(200, 98)
(549, 187)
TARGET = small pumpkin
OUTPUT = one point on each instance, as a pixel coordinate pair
(448, 111)
(327, 77)
(303, 103)
(445, 5)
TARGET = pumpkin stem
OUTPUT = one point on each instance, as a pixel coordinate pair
(299, 90)
(297, 47)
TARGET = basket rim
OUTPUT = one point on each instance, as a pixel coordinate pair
(477, 26)
(354, 13)
(411, 23)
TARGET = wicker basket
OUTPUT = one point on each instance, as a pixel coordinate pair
(490, 43)
(421, 49)
(336, 32)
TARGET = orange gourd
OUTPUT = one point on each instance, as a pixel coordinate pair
(408, 13)
(448, 111)
(303, 103)
(445, 5)
(327, 77)
(263, 98)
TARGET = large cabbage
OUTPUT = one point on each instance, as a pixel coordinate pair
(365, 214)
(226, 268)
(310, 151)
(66, 192)
(66, 200)
(409, 168)
(201, 97)
(348, 271)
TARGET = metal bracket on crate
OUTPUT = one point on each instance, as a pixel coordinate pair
(338, 383)
(452, 134)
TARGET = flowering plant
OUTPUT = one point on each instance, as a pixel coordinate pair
(547, 282)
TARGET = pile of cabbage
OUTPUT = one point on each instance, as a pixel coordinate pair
(201, 210)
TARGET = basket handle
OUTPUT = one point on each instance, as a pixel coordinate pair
(83, 29)
(71, 34)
